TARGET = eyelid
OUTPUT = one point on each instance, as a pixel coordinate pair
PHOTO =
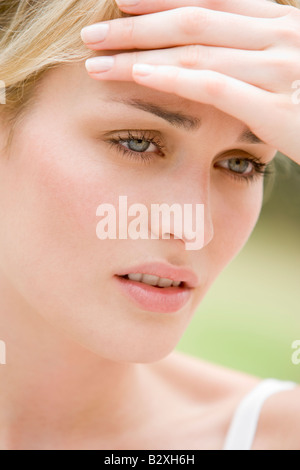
(136, 133)
(259, 167)
(149, 133)
(237, 153)
(145, 135)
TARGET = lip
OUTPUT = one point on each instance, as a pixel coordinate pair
(185, 275)
(154, 299)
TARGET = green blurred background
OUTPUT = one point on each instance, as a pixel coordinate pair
(251, 315)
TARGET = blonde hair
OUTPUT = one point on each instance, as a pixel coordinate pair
(36, 36)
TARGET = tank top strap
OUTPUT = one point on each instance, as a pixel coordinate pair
(245, 420)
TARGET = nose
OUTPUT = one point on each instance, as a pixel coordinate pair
(184, 212)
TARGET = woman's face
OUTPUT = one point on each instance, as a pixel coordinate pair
(62, 166)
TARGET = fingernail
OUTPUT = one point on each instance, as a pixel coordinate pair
(99, 64)
(94, 33)
(143, 69)
(127, 3)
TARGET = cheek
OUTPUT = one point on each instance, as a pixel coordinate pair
(51, 191)
(234, 218)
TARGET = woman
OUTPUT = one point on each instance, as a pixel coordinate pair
(89, 351)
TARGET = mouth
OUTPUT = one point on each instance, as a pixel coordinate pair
(154, 298)
(156, 283)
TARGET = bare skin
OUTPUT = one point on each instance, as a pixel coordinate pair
(87, 368)
(240, 57)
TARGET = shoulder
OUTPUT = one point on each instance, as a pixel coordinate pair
(279, 426)
(219, 390)
(206, 380)
(207, 395)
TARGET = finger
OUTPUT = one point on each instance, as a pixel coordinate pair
(256, 8)
(184, 26)
(253, 67)
(249, 104)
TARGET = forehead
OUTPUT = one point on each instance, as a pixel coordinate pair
(70, 89)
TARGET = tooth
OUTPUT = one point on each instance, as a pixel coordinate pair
(135, 277)
(163, 282)
(176, 283)
(149, 279)
(153, 280)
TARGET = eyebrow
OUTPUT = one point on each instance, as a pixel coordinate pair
(181, 120)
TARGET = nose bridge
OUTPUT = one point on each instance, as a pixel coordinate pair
(185, 212)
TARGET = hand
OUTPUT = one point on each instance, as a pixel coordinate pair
(244, 60)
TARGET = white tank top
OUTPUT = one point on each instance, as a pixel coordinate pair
(245, 419)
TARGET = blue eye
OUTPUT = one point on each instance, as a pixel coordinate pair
(138, 145)
(240, 165)
(249, 169)
(145, 148)
(135, 147)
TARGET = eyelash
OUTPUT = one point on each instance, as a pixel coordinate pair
(137, 156)
(260, 169)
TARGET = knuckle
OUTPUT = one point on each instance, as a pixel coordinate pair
(193, 56)
(214, 85)
(292, 12)
(283, 103)
(192, 20)
(128, 28)
(217, 5)
(134, 57)
(288, 33)
(177, 80)
(284, 68)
